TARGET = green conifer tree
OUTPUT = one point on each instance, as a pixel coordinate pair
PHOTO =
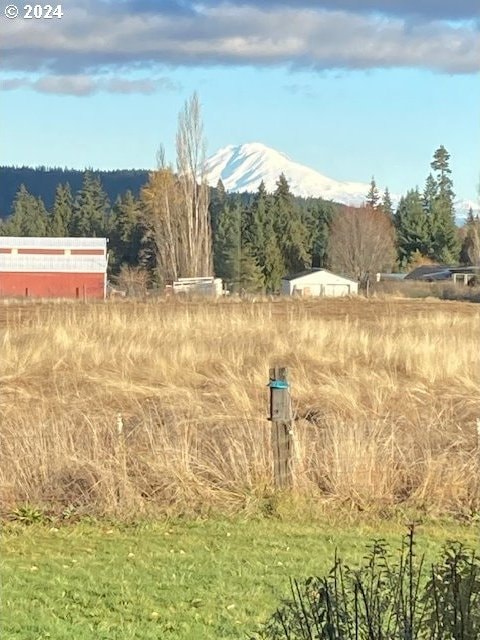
(91, 208)
(387, 205)
(253, 224)
(373, 195)
(429, 194)
(445, 244)
(62, 214)
(217, 204)
(412, 227)
(318, 217)
(273, 267)
(227, 246)
(29, 217)
(470, 250)
(126, 231)
(252, 279)
(291, 231)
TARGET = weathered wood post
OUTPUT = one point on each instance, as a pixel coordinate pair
(121, 460)
(478, 439)
(282, 428)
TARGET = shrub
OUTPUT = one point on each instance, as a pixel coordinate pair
(386, 600)
(132, 280)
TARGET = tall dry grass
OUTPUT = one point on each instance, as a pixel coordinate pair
(133, 407)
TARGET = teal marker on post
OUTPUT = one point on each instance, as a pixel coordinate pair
(278, 384)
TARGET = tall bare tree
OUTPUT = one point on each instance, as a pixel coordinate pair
(361, 242)
(191, 172)
(176, 205)
(162, 212)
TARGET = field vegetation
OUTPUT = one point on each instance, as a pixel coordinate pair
(177, 579)
(138, 408)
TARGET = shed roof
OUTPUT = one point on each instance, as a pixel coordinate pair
(425, 269)
(307, 272)
(300, 274)
(431, 269)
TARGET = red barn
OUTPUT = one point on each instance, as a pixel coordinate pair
(53, 267)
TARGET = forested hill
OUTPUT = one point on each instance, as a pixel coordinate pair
(42, 182)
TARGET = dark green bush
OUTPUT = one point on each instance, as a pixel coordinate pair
(386, 599)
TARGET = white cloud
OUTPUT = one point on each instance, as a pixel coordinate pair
(84, 85)
(119, 37)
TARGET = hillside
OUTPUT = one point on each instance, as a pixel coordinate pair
(42, 182)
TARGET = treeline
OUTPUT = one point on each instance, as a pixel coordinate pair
(425, 221)
(175, 227)
(256, 239)
(255, 244)
(87, 213)
(43, 181)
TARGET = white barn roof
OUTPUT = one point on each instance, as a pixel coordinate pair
(14, 242)
(48, 264)
(53, 255)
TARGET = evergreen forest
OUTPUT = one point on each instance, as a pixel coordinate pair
(259, 238)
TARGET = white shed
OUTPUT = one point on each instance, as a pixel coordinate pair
(208, 285)
(318, 282)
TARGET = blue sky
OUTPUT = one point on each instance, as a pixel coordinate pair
(349, 88)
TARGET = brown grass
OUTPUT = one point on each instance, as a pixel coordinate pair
(131, 407)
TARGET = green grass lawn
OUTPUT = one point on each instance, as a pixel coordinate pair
(186, 580)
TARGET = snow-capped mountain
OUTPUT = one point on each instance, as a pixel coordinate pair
(243, 167)
(463, 207)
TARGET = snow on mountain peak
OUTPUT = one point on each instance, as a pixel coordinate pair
(243, 167)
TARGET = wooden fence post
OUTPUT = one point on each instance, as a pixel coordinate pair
(121, 460)
(478, 439)
(282, 428)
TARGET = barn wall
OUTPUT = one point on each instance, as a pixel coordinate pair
(52, 285)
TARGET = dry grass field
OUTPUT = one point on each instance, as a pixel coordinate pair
(386, 395)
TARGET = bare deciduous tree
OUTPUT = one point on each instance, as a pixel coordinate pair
(162, 214)
(191, 173)
(132, 280)
(362, 241)
(176, 206)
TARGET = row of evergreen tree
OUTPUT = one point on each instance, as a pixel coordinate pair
(256, 239)
(425, 221)
(88, 213)
(257, 243)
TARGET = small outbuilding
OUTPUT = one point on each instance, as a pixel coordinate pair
(53, 267)
(208, 286)
(318, 282)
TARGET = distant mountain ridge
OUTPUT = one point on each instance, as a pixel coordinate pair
(243, 167)
(240, 167)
